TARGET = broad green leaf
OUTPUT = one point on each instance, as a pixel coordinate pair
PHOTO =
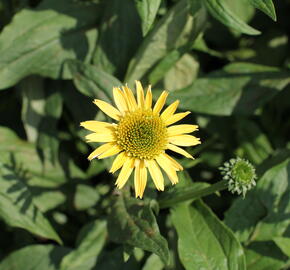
(172, 32)
(16, 204)
(37, 41)
(90, 244)
(85, 197)
(266, 6)
(132, 222)
(41, 257)
(284, 244)
(147, 10)
(91, 80)
(264, 256)
(264, 213)
(239, 88)
(120, 36)
(220, 10)
(204, 242)
(153, 263)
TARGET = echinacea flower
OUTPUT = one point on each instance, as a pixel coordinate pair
(140, 137)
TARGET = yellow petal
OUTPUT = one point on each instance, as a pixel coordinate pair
(125, 172)
(160, 102)
(120, 100)
(179, 150)
(110, 152)
(97, 126)
(166, 166)
(175, 118)
(170, 110)
(148, 99)
(140, 178)
(108, 109)
(100, 137)
(173, 162)
(101, 149)
(131, 101)
(156, 174)
(118, 162)
(181, 129)
(140, 94)
(184, 140)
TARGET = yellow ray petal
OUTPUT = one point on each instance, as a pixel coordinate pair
(175, 118)
(108, 109)
(140, 178)
(173, 162)
(166, 166)
(184, 140)
(120, 100)
(181, 129)
(131, 101)
(170, 110)
(118, 162)
(140, 94)
(125, 172)
(101, 149)
(179, 150)
(100, 137)
(156, 174)
(160, 102)
(97, 126)
(110, 152)
(148, 99)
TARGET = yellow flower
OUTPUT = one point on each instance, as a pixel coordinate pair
(140, 137)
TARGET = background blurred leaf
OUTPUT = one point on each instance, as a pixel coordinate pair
(132, 222)
(44, 257)
(240, 88)
(204, 242)
(85, 197)
(90, 244)
(266, 6)
(54, 31)
(16, 204)
(284, 244)
(147, 10)
(171, 33)
(220, 10)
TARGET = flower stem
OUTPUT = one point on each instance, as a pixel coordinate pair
(192, 194)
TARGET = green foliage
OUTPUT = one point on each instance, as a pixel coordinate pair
(226, 61)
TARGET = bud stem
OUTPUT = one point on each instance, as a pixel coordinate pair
(193, 194)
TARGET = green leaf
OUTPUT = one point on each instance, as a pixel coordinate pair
(204, 242)
(153, 263)
(239, 88)
(42, 257)
(174, 31)
(91, 80)
(220, 10)
(266, 6)
(38, 41)
(147, 10)
(90, 243)
(284, 244)
(85, 197)
(17, 207)
(132, 222)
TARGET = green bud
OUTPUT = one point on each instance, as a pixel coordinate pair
(240, 175)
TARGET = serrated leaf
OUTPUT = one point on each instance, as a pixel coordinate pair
(172, 32)
(42, 257)
(220, 10)
(37, 41)
(204, 242)
(17, 207)
(240, 88)
(90, 243)
(266, 6)
(147, 10)
(91, 80)
(132, 222)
